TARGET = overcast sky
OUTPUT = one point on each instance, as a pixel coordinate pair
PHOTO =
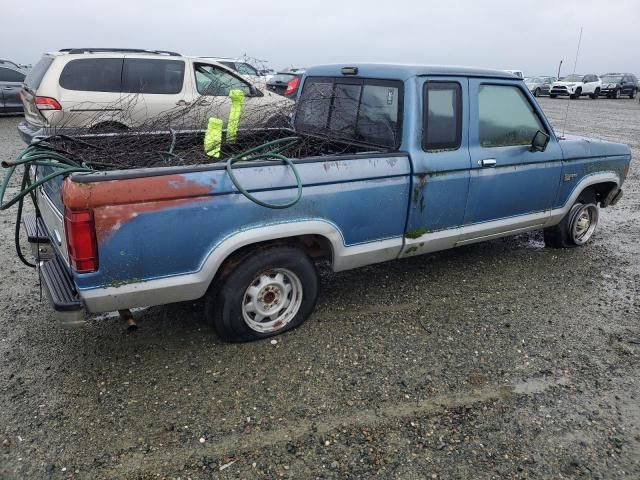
(532, 35)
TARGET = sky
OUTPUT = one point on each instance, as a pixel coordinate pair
(532, 35)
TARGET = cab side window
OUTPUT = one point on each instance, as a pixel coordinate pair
(442, 116)
(506, 117)
(214, 81)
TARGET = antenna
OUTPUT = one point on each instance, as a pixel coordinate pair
(559, 67)
(575, 63)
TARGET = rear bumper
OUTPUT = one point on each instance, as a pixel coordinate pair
(61, 292)
(29, 132)
(56, 277)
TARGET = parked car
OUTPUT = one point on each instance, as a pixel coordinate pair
(615, 85)
(285, 83)
(110, 89)
(539, 85)
(577, 85)
(470, 144)
(10, 86)
(517, 73)
(14, 65)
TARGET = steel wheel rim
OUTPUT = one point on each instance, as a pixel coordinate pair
(585, 220)
(272, 300)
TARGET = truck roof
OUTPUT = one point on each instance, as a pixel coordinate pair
(405, 71)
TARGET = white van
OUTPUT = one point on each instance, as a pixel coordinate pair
(118, 89)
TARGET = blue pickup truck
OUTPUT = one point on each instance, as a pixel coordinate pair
(438, 157)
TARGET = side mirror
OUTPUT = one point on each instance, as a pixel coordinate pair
(254, 92)
(539, 142)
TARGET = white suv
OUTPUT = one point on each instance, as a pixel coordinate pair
(577, 85)
(117, 89)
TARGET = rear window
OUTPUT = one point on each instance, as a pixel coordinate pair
(92, 75)
(362, 110)
(152, 76)
(36, 74)
(8, 75)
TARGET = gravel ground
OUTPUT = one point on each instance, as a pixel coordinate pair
(497, 360)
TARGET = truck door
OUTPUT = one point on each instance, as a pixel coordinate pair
(511, 188)
(441, 165)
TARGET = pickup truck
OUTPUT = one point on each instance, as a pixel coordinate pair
(440, 157)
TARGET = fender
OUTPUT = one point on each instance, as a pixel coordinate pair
(585, 182)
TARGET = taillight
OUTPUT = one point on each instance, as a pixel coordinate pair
(292, 86)
(47, 103)
(80, 232)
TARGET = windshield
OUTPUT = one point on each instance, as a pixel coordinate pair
(533, 80)
(573, 78)
(612, 78)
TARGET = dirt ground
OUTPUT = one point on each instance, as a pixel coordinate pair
(496, 360)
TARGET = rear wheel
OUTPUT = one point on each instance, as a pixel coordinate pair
(595, 94)
(578, 225)
(270, 291)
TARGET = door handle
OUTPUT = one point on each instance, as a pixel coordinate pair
(487, 162)
(204, 103)
(182, 103)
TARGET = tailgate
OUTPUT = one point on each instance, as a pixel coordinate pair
(52, 210)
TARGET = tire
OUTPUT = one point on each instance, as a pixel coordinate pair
(617, 94)
(536, 92)
(280, 279)
(595, 95)
(551, 95)
(577, 227)
(576, 95)
(633, 93)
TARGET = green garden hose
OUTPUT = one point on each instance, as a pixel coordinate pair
(260, 153)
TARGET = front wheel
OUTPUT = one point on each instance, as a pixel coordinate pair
(536, 92)
(577, 227)
(270, 291)
(632, 95)
(616, 95)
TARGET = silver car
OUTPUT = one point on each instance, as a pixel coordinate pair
(539, 85)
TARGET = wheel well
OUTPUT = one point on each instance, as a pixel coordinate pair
(317, 247)
(600, 190)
